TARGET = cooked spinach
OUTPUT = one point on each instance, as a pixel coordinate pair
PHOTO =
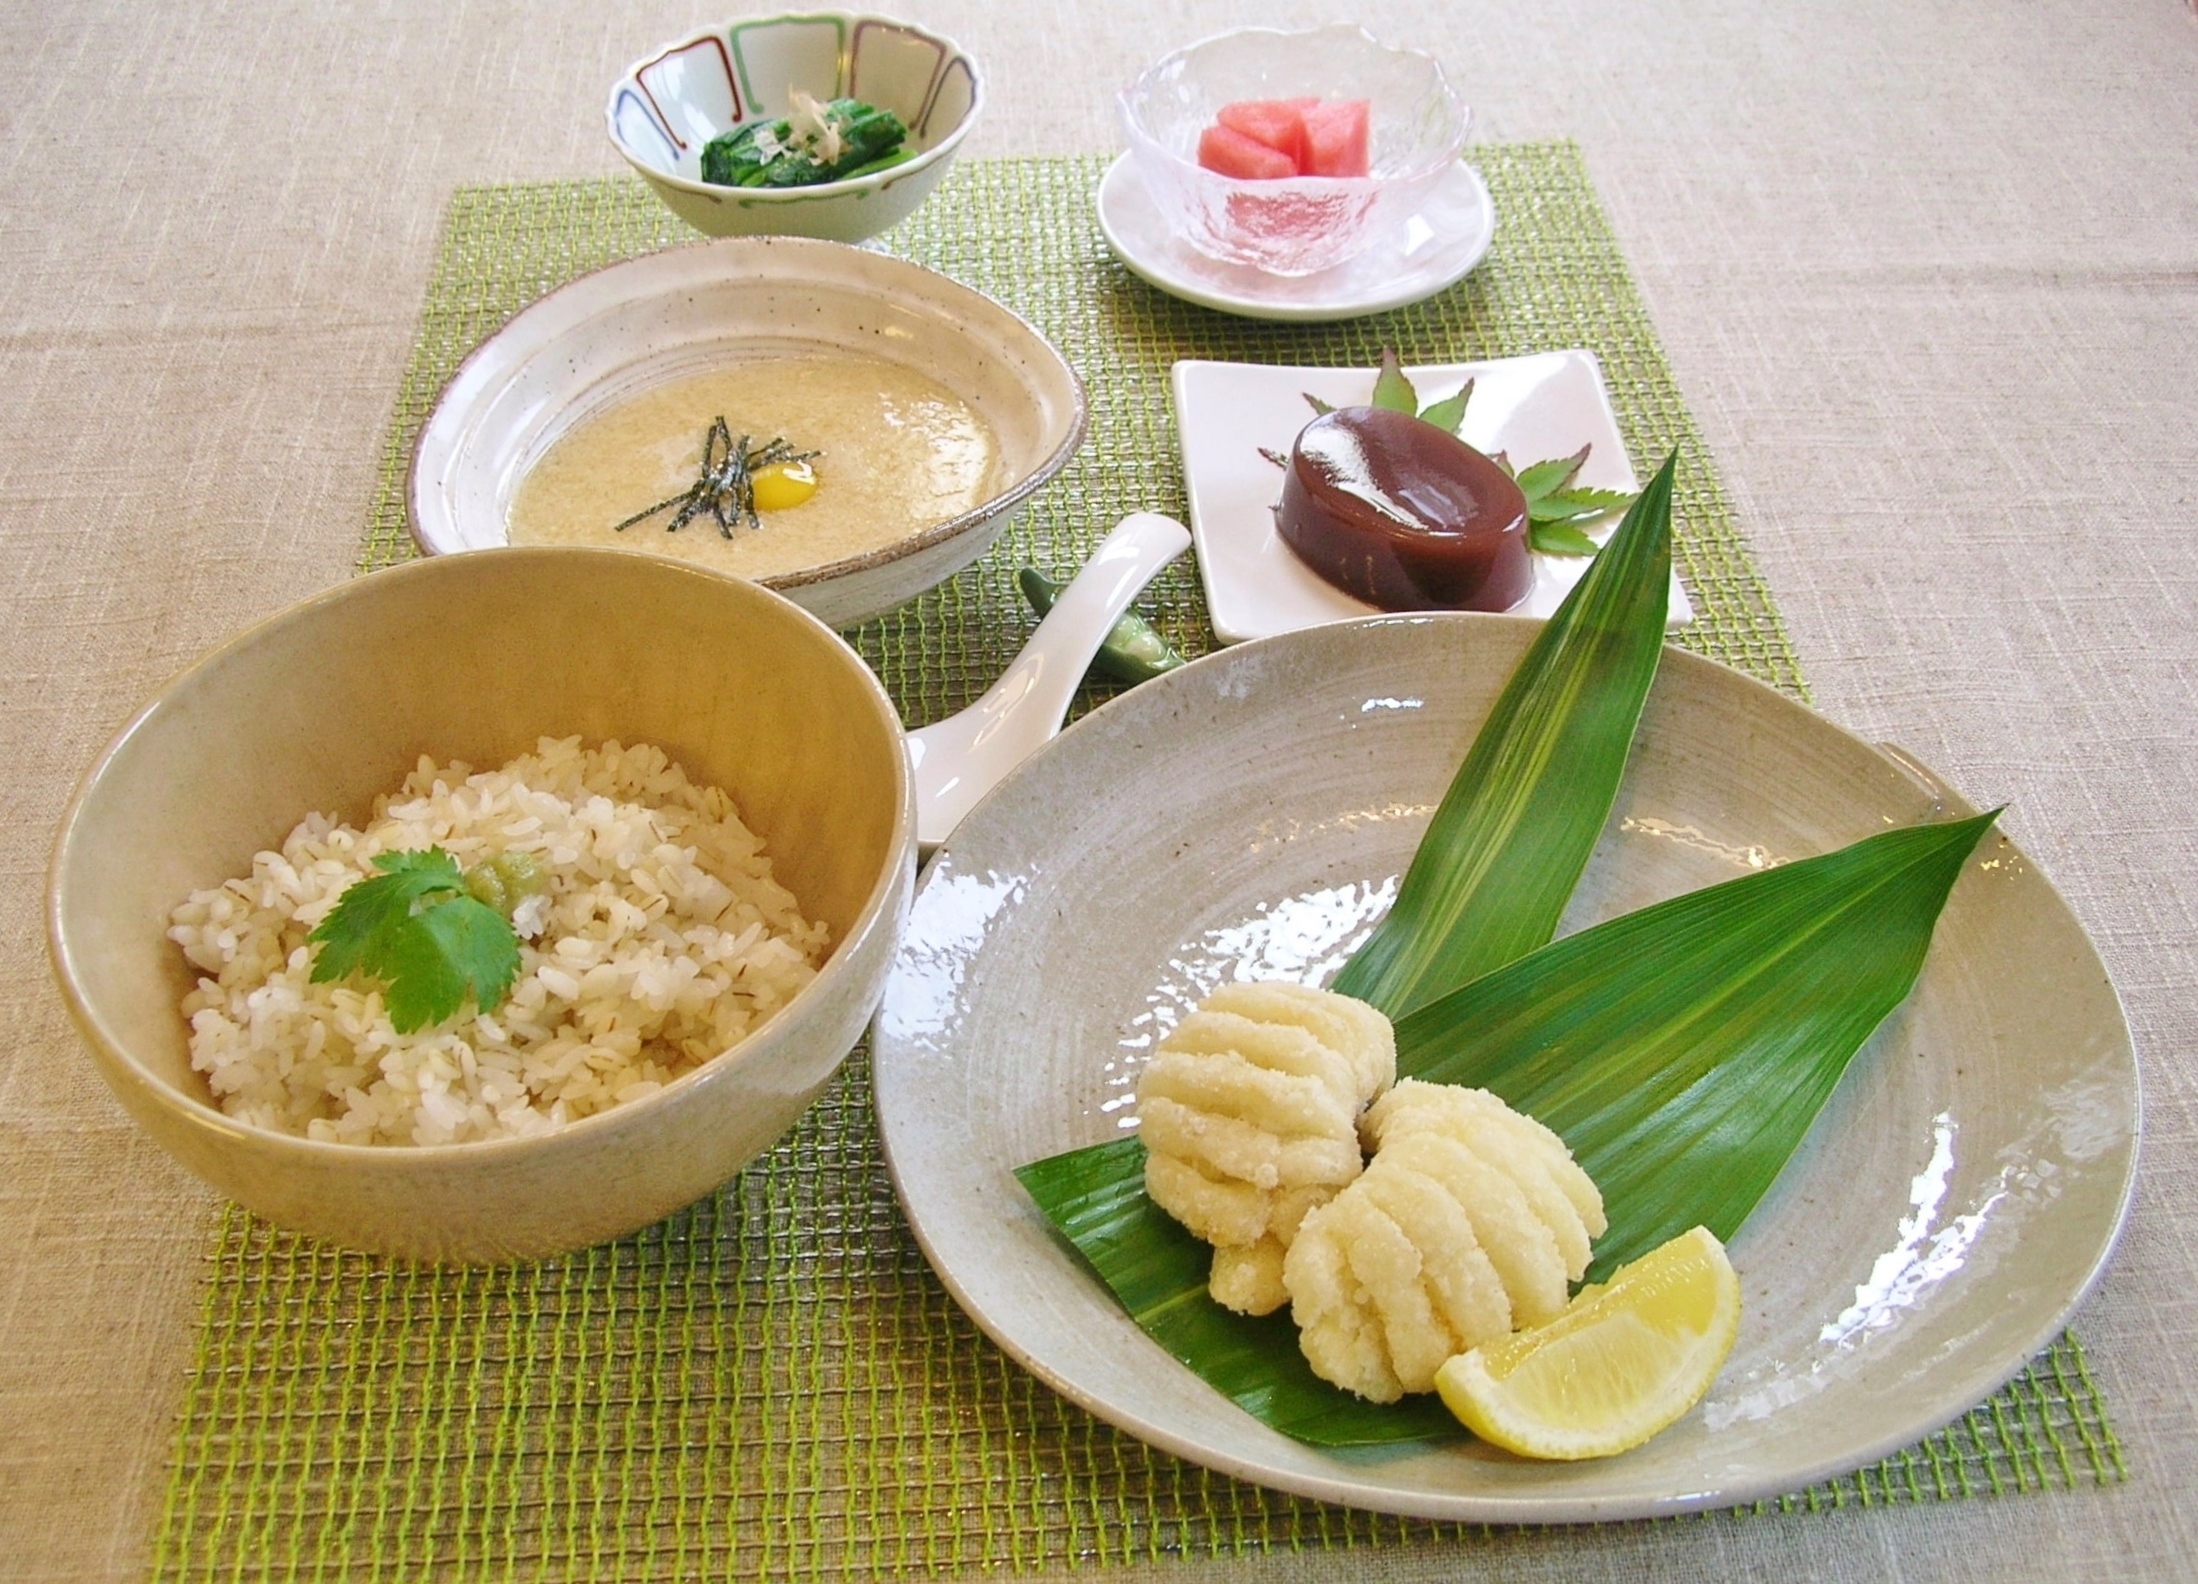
(815, 142)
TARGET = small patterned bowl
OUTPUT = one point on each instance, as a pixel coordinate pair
(673, 101)
(1295, 225)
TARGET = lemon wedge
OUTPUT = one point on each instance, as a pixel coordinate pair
(1619, 1364)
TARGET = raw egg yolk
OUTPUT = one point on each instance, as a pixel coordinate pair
(783, 485)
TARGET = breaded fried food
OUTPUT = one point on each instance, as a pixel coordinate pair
(1470, 1221)
(1249, 1112)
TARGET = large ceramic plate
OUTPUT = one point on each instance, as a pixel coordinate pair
(1247, 817)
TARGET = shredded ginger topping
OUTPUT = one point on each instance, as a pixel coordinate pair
(812, 128)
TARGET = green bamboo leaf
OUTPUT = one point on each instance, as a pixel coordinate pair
(1448, 413)
(1096, 1198)
(1391, 389)
(1503, 852)
(1553, 749)
(1683, 1050)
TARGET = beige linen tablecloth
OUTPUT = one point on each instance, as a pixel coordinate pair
(1929, 280)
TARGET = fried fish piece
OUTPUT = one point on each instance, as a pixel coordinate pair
(1249, 1113)
(1470, 1221)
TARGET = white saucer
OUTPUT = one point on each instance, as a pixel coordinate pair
(1432, 249)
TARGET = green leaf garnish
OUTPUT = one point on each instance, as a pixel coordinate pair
(1320, 408)
(1555, 507)
(1539, 479)
(1449, 413)
(1576, 505)
(357, 931)
(1391, 389)
(413, 927)
(1559, 538)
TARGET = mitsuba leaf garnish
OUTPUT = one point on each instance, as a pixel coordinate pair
(1683, 1051)
(413, 927)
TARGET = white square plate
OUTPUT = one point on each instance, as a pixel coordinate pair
(1546, 405)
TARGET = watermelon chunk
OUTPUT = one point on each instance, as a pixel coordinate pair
(1335, 138)
(1278, 123)
(1230, 153)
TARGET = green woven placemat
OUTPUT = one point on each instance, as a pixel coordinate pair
(772, 1383)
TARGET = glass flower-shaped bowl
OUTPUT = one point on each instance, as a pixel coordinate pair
(1302, 224)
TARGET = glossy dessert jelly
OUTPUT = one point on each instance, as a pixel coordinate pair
(1401, 514)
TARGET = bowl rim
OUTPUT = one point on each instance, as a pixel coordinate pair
(877, 181)
(95, 1029)
(924, 539)
(1450, 153)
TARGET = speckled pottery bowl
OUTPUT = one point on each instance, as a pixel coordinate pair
(331, 703)
(591, 344)
(674, 100)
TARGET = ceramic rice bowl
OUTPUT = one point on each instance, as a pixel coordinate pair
(332, 702)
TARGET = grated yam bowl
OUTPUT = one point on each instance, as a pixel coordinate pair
(607, 336)
(331, 702)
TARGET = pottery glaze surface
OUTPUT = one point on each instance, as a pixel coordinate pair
(330, 703)
(1247, 818)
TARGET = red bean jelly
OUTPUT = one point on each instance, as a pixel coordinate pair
(1402, 515)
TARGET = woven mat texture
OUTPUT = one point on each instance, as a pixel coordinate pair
(772, 1383)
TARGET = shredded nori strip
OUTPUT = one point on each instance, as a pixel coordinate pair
(725, 488)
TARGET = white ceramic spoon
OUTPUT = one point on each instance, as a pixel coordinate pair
(958, 760)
